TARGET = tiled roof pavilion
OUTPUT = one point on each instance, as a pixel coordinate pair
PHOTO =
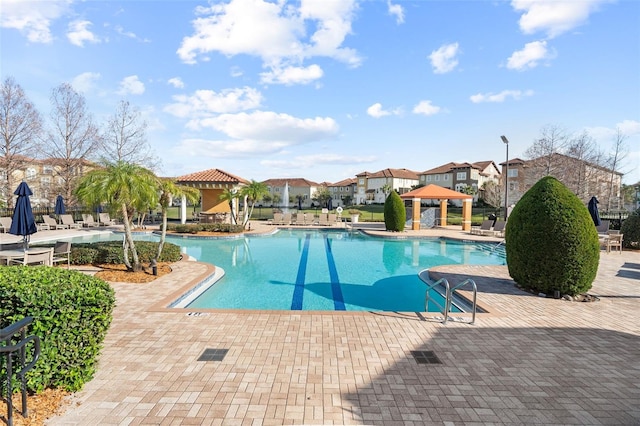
(211, 176)
(212, 183)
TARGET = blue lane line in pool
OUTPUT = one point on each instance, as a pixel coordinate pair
(298, 291)
(338, 300)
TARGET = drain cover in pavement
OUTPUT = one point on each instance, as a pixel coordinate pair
(425, 357)
(211, 354)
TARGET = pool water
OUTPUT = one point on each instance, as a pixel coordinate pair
(327, 270)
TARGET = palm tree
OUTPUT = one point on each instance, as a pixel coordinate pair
(122, 185)
(230, 196)
(252, 193)
(169, 189)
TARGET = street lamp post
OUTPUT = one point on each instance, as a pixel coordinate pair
(506, 178)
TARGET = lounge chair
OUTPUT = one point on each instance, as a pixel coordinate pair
(323, 219)
(332, 218)
(53, 224)
(88, 221)
(498, 229)
(5, 223)
(31, 257)
(62, 253)
(485, 226)
(286, 219)
(300, 219)
(67, 219)
(43, 226)
(278, 218)
(105, 219)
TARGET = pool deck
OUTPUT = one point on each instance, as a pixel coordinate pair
(530, 360)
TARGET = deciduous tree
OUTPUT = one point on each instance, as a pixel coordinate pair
(20, 128)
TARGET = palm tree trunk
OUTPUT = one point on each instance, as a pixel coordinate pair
(163, 234)
(136, 266)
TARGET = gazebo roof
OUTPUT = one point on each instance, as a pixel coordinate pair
(435, 192)
(211, 176)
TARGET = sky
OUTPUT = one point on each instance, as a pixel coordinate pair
(327, 89)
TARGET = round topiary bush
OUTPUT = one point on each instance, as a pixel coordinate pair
(395, 215)
(630, 231)
(551, 241)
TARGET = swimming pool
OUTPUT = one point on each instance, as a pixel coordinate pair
(326, 270)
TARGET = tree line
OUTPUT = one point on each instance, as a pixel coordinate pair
(70, 137)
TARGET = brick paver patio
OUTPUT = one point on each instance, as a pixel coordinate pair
(530, 360)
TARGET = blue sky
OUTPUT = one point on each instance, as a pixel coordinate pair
(327, 89)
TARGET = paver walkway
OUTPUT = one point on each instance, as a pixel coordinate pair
(530, 360)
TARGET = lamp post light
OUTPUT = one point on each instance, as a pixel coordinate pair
(506, 178)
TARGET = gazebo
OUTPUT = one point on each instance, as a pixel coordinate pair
(211, 183)
(435, 192)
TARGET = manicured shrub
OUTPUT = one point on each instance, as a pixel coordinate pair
(551, 241)
(194, 228)
(110, 252)
(631, 231)
(72, 312)
(395, 215)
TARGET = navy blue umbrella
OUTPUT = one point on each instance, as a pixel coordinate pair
(23, 222)
(299, 203)
(59, 209)
(593, 211)
(330, 204)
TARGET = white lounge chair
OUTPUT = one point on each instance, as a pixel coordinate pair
(105, 219)
(53, 224)
(67, 219)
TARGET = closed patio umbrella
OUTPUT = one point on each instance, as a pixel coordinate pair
(23, 222)
(59, 209)
(330, 204)
(593, 211)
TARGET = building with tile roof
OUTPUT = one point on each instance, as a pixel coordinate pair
(212, 183)
(301, 192)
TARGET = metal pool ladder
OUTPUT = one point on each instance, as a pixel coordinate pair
(449, 291)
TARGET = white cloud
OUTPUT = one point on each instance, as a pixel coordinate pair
(257, 134)
(131, 86)
(78, 33)
(271, 126)
(292, 75)
(274, 31)
(444, 59)
(500, 97)
(426, 108)
(120, 30)
(554, 17)
(236, 72)
(397, 11)
(376, 111)
(204, 103)
(530, 56)
(176, 82)
(85, 82)
(303, 162)
(629, 127)
(34, 22)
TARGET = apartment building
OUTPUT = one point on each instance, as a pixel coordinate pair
(47, 178)
(583, 178)
(373, 188)
(343, 192)
(462, 177)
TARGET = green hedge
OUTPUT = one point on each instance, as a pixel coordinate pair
(72, 312)
(551, 241)
(194, 228)
(110, 252)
